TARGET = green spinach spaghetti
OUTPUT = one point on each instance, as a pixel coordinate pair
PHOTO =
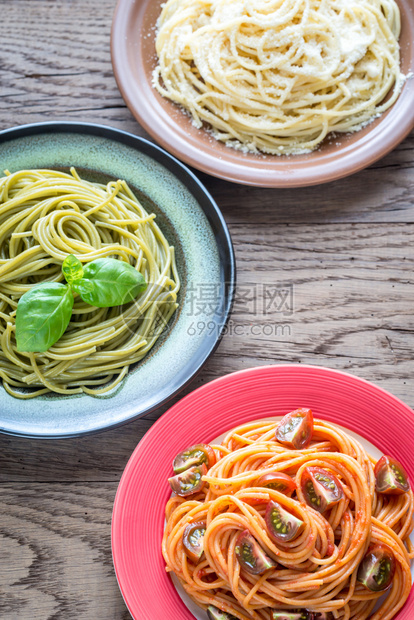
(47, 216)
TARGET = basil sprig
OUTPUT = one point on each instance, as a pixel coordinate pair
(72, 269)
(107, 282)
(44, 312)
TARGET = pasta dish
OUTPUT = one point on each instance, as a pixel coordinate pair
(279, 76)
(88, 283)
(290, 520)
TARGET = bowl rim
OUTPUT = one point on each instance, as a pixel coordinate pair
(393, 126)
(215, 219)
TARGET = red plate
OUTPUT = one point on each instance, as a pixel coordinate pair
(206, 413)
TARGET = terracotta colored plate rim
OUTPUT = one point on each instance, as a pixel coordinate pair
(134, 58)
(206, 413)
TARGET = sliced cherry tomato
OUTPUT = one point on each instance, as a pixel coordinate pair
(193, 538)
(377, 568)
(281, 524)
(277, 481)
(251, 556)
(321, 488)
(295, 429)
(189, 482)
(195, 455)
(390, 477)
(216, 614)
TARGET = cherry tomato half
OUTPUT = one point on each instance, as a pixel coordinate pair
(281, 524)
(194, 455)
(193, 538)
(251, 556)
(390, 477)
(277, 481)
(189, 482)
(321, 488)
(377, 568)
(295, 429)
(216, 614)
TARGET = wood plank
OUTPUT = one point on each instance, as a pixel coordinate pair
(56, 63)
(382, 193)
(343, 251)
(352, 297)
(55, 543)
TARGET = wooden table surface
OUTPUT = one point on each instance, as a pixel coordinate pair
(344, 252)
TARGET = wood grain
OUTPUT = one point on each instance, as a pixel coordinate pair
(55, 552)
(352, 306)
(341, 254)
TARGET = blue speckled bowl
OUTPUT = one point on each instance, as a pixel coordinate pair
(190, 220)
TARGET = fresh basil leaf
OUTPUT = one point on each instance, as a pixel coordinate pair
(43, 314)
(72, 269)
(109, 282)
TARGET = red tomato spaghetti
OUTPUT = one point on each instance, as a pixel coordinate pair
(292, 521)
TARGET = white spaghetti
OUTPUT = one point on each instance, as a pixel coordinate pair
(277, 76)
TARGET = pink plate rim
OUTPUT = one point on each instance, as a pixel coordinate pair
(207, 412)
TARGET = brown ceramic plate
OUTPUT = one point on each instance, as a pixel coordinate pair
(134, 58)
